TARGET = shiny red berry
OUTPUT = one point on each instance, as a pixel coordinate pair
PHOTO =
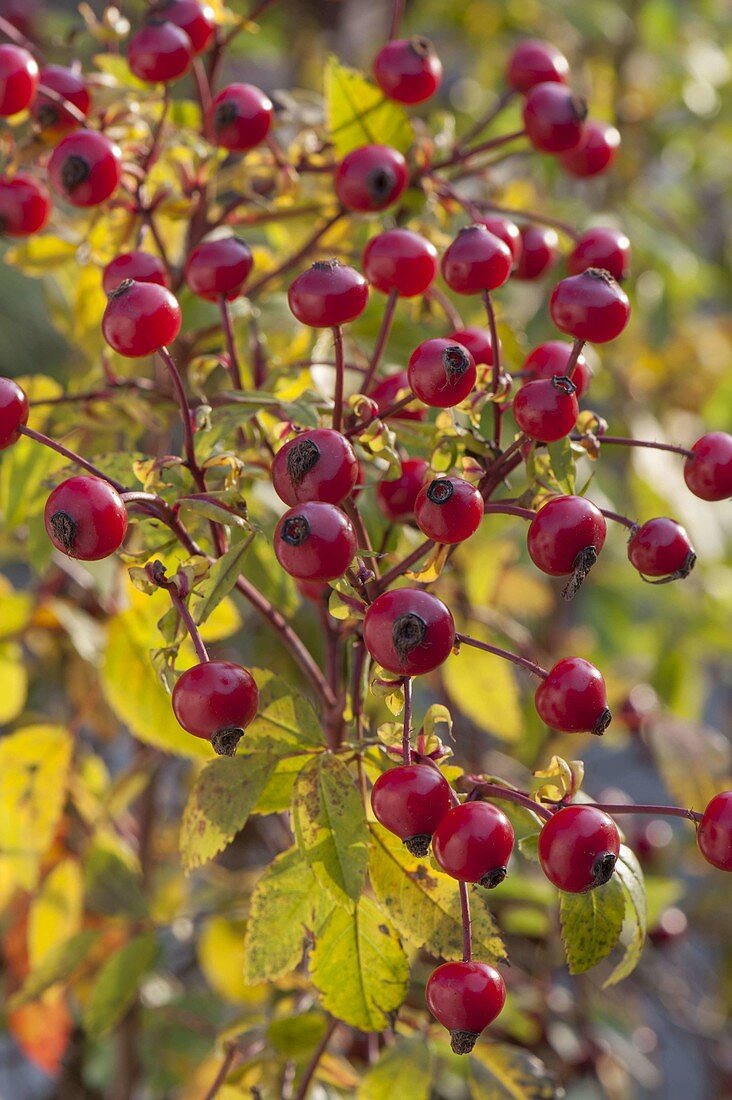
(196, 19)
(595, 152)
(316, 465)
(506, 231)
(448, 510)
(389, 390)
(216, 700)
(709, 473)
(25, 206)
(241, 117)
(140, 266)
(546, 410)
(411, 801)
(478, 342)
(441, 373)
(554, 117)
(329, 293)
(607, 249)
(566, 534)
(465, 997)
(476, 261)
(140, 318)
(315, 541)
(86, 518)
(473, 843)
(18, 80)
(85, 168)
(159, 52)
(408, 70)
(590, 306)
(402, 261)
(578, 848)
(539, 252)
(52, 116)
(14, 410)
(535, 62)
(572, 698)
(370, 178)
(714, 832)
(408, 631)
(315, 591)
(397, 498)
(551, 358)
(661, 548)
(219, 268)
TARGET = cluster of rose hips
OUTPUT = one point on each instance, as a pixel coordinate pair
(316, 472)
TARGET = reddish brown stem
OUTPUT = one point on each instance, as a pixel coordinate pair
(602, 439)
(228, 327)
(508, 794)
(340, 370)
(381, 340)
(185, 412)
(522, 662)
(461, 156)
(485, 120)
(660, 811)
(314, 1062)
(618, 518)
(466, 921)
(39, 437)
(407, 728)
(407, 563)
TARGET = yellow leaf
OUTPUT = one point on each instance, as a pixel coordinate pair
(358, 113)
(486, 690)
(13, 682)
(34, 765)
(57, 911)
(221, 957)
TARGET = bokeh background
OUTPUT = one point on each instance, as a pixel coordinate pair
(661, 71)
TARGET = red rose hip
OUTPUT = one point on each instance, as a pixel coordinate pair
(535, 62)
(465, 997)
(441, 373)
(595, 152)
(408, 631)
(551, 358)
(140, 318)
(216, 700)
(408, 70)
(219, 268)
(539, 252)
(316, 465)
(159, 52)
(565, 536)
(578, 848)
(553, 117)
(476, 261)
(18, 79)
(86, 518)
(240, 118)
(411, 801)
(370, 178)
(54, 117)
(661, 548)
(478, 342)
(607, 249)
(546, 410)
(397, 498)
(590, 306)
(196, 19)
(315, 541)
(714, 832)
(85, 168)
(473, 843)
(572, 698)
(328, 294)
(14, 411)
(708, 473)
(448, 510)
(401, 261)
(140, 266)
(25, 206)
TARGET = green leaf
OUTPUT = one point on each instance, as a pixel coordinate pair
(359, 967)
(117, 984)
(402, 1070)
(217, 511)
(286, 722)
(358, 113)
(499, 1071)
(562, 460)
(628, 871)
(221, 579)
(297, 1036)
(57, 966)
(287, 903)
(591, 924)
(277, 794)
(425, 904)
(111, 887)
(330, 827)
(222, 799)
